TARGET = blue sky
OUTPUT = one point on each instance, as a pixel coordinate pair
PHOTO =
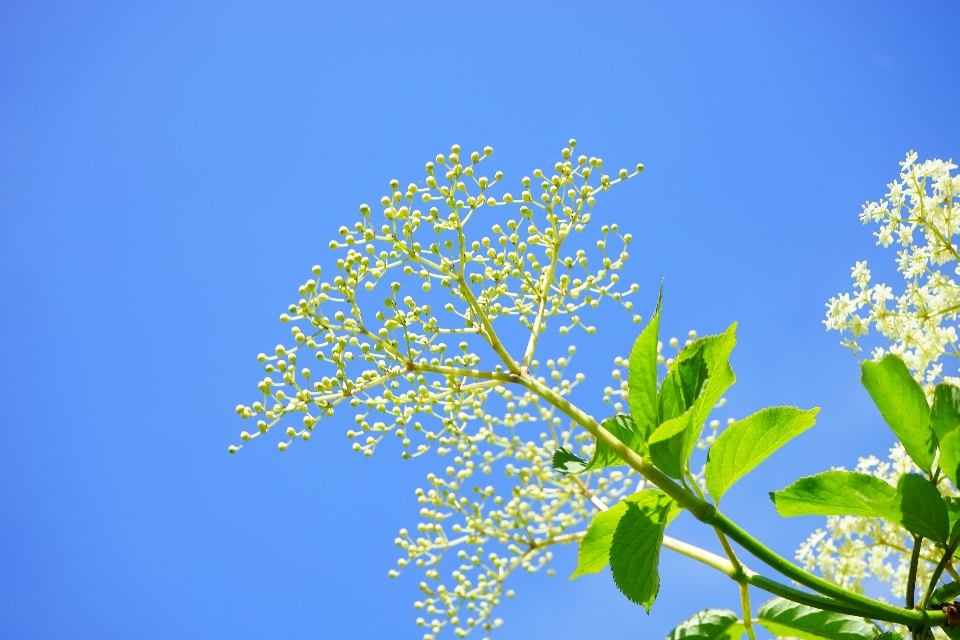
(170, 171)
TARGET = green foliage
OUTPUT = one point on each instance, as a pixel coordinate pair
(747, 443)
(683, 383)
(712, 624)
(950, 454)
(635, 549)
(915, 503)
(594, 552)
(642, 378)
(785, 618)
(391, 364)
(945, 412)
(666, 443)
(918, 507)
(833, 493)
(946, 593)
(889, 635)
(903, 406)
(716, 355)
(623, 429)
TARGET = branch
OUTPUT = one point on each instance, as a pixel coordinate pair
(708, 514)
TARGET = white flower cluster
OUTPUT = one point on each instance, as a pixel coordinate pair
(389, 360)
(921, 214)
(393, 362)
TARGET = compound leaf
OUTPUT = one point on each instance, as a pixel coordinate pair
(748, 442)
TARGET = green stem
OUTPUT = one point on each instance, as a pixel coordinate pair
(745, 575)
(708, 514)
(938, 571)
(744, 587)
(912, 576)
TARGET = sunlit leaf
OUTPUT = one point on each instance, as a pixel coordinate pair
(712, 624)
(748, 442)
(914, 504)
(635, 552)
(622, 427)
(785, 618)
(594, 553)
(903, 406)
(642, 379)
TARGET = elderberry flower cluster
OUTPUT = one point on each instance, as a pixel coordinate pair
(405, 334)
(921, 213)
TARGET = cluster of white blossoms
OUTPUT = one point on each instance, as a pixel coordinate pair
(406, 335)
(496, 531)
(921, 214)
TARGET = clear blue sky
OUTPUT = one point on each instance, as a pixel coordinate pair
(170, 171)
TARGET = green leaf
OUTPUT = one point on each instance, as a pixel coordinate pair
(785, 618)
(635, 552)
(683, 382)
(695, 382)
(716, 355)
(946, 593)
(903, 406)
(666, 444)
(953, 516)
(915, 504)
(945, 412)
(747, 443)
(950, 454)
(594, 553)
(566, 462)
(918, 507)
(622, 427)
(889, 635)
(712, 624)
(642, 379)
(952, 632)
(833, 493)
